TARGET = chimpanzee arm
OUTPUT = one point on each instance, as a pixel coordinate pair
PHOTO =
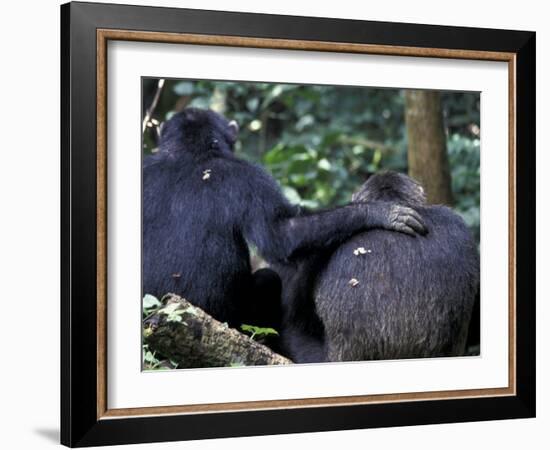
(280, 230)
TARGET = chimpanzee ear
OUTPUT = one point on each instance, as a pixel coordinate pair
(233, 130)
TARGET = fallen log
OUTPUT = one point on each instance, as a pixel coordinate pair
(190, 337)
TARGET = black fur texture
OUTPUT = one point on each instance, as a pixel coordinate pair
(202, 204)
(381, 294)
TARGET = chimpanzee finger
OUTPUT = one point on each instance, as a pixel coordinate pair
(414, 213)
(403, 228)
(416, 220)
(415, 225)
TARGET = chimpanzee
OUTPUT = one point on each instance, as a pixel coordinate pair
(384, 295)
(202, 205)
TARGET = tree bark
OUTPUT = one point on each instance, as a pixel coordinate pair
(191, 338)
(427, 154)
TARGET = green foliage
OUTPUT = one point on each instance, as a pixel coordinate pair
(464, 162)
(322, 142)
(258, 332)
(150, 304)
(173, 312)
(152, 362)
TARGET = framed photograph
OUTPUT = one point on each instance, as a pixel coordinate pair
(277, 224)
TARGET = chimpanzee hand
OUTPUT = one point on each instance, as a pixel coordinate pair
(395, 217)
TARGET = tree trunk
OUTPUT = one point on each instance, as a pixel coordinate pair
(427, 154)
(188, 336)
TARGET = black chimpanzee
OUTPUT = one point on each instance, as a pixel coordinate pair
(384, 295)
(202, 204)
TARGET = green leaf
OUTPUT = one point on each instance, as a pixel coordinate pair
(175, 317)
(191, 310)
(147, 332)
(174, 312)
(292, 195)
(184, 88)
(252, 104)
(170, 308)
(149, 357)
(200, 102)
(150, 301)
(304, 122)
(258, 331)
(324, 164)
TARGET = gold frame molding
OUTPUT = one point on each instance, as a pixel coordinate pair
(105, 35)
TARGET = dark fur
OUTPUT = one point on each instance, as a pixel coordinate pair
(414, 297)
(195, 230)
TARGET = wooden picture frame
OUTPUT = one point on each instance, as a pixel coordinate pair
(85, 416)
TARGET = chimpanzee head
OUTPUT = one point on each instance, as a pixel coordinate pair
(392, 187)
(198, 131)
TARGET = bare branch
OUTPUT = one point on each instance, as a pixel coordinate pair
(151, 109)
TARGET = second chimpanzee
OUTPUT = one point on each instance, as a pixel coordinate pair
(384, 295)
(202, 204)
